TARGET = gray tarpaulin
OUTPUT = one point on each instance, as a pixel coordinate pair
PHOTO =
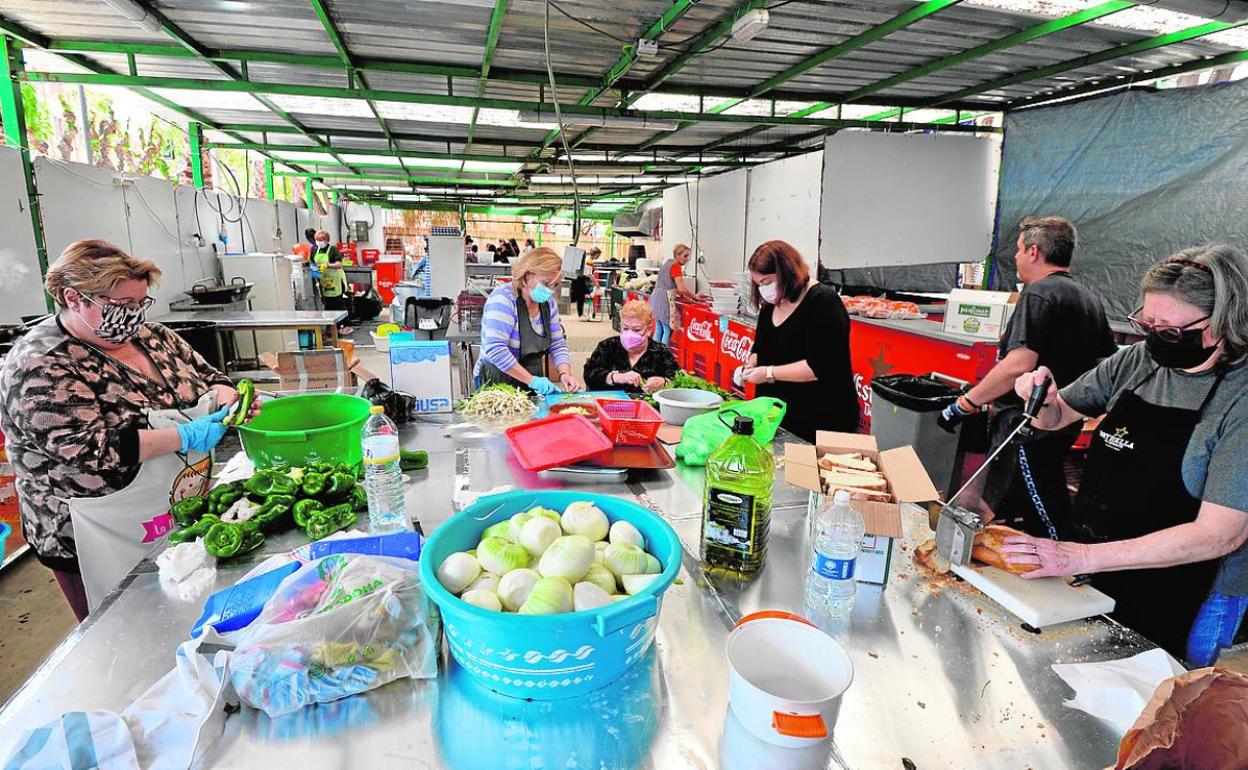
(1141, 174)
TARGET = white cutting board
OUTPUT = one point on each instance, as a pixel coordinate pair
(1040, 602)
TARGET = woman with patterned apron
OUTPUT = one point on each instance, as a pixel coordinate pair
(108, 420)
(1162, 511)
(521, 334)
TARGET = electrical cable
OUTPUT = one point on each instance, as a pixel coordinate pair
(563, 134)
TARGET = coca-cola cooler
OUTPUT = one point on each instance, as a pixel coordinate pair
(736, 342)
(700, 344)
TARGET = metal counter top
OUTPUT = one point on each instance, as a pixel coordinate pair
(942, 676)
(924, 328)
(262, 319)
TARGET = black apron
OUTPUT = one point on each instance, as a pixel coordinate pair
(1133, 486)
(534, 348)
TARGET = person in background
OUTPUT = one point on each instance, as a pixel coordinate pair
(1161, 516)
(529, 245)
(468, 247)
(631, 361)
(521, 335)
(669, 286)
(801, 348)
(513, 248)
(309, 235)
(334, 290)
(322, 250)
(75, 392)
(502, 254)
(584, 284)
(1057, 324)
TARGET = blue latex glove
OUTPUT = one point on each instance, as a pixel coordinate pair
(203, 433)
(544, 387)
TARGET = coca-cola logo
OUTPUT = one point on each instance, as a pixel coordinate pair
(699, 331)
(736, 345)
(864, 394)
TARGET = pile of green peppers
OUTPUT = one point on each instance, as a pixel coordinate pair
(319, 499)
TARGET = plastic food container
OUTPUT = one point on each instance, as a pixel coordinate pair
(679, 404)
(548, 657)
(553, 441)
(786, 678)
(296, 430)
(628, 422)
(5, 529)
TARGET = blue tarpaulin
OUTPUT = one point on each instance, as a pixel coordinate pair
(1142, 174)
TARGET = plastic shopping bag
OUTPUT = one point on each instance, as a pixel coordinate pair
(705, 432)
(341, 625)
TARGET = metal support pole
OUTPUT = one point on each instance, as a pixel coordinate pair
(84, 120)
(307, 194)
(14, 117)
(268, 179)
(196, 134)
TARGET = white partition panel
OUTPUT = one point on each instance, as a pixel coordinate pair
(783, 204)
(906, 199)
(21, 291)
(717, 206)
(196, 218)
(80, 201)
(154, 235)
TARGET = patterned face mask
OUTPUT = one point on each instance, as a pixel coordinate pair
(118, 323)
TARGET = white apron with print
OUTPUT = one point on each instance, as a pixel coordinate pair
(115, 532)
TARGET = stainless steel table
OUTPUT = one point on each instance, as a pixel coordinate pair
(228, 321)
(943, 677)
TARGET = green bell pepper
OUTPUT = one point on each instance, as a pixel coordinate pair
(328, 521)
(358, 498)
(413, 460)
(246, 396)
(188, 509)
(252, 540)
(270, 482)
(222, 496)
(198, 529)
(274, 513)
(224, 539)
(305, 509)
(338, 487)
(313, 484)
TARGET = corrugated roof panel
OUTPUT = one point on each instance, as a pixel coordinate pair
(81, 19)
(223, 101)
(431, 30)
(273, 25)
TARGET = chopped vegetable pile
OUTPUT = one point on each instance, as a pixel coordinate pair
(542, 563)
(498, 401)
(233, 518)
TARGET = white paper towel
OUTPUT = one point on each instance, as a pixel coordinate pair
(1117, 690)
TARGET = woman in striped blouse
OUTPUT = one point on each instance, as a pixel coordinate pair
(521, 335)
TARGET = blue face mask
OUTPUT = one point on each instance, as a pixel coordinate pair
(541, 293)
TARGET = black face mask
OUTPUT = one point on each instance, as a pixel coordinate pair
(1187, 353)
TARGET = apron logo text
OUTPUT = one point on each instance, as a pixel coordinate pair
(1117, 440)
(156, 528)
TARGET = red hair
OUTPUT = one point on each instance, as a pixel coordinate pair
(783, 261)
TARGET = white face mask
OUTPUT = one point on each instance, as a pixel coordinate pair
(322, 245)
(768, 292)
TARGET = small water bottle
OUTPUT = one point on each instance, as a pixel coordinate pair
(838, 537)
(383, 479)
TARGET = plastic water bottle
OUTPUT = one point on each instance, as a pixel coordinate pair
(383, 479)
(838, 538)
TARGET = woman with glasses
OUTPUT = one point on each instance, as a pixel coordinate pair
(87, 397)
(521, 336)
(1162, 511)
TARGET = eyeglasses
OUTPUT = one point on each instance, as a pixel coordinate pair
(143, 304)
(1165, 333)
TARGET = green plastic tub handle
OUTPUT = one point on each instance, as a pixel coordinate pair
(288, 437)
(626, 613)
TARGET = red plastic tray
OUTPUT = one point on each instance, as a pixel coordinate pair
(553, 441)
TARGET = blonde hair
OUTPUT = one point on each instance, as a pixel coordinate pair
(93, 268)
(321, 234)
(637, 310)
(681, 248)
(542, 260)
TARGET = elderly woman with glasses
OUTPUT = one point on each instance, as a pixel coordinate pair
(1161, 516)
(77, 392)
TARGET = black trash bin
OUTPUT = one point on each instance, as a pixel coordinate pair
(202, 337)
(904, 410)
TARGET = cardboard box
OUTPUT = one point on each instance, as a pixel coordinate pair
(980, 314)
(908, 482)
(422, 368)
(310, 371)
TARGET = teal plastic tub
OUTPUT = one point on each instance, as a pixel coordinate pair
(547, 657)
(295, 430)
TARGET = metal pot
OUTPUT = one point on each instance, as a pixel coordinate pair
(208, 292)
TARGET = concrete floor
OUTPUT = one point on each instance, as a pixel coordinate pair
(34, 617)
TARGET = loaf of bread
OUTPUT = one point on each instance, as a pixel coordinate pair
(987, 549)
(852, 460)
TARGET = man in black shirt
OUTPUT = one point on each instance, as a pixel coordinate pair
(1059, 324)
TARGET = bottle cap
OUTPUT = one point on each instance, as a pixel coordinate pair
(743, 425)
(841, 496)
(376, 409)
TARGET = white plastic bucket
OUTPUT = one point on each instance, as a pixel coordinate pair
(786, 678)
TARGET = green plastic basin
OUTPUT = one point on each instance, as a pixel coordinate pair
(296, 430)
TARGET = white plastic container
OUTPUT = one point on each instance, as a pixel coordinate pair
(786, 678)
(677, 405)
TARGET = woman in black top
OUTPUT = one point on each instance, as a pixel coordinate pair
(631, 361)
(801, 349)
